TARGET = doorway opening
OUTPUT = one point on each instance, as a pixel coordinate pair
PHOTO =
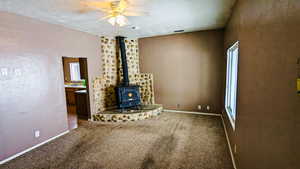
(76, 85)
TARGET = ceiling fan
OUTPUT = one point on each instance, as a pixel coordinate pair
(116, 11)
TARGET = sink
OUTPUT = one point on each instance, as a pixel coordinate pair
(81, 91)
(75, 86)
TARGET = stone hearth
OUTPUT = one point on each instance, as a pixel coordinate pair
(117, 115)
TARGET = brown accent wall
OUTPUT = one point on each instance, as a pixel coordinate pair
(188, 69)
(268, 114)
(32, 94)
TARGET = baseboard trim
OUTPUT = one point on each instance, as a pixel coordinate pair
(191, 112)
(228, 143)
(31, 148)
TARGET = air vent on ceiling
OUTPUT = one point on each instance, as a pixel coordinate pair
(178, 31)
(135, 27)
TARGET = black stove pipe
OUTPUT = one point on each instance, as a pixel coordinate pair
(122, 46)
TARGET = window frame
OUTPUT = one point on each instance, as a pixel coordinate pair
(232, 77)
(71, 72)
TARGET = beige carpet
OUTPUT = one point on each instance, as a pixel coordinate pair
(169, 141)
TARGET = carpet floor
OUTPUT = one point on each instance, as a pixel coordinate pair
(169, 141)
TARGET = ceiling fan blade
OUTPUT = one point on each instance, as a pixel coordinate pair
(106, 17)
(82, 11)
(135, 13)
(123, 5)
(89, 10)
(98, 5)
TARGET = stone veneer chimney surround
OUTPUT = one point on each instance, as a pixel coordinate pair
(104, 86)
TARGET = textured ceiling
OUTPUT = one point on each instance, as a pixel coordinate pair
(164, 16)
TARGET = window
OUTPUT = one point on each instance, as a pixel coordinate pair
(231, 82)
(75, 71)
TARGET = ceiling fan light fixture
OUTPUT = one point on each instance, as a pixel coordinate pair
(116, 11)
(112, 21)
(119, 20)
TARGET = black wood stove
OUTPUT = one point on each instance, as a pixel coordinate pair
(128, 96)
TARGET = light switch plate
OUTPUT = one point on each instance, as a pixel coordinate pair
(4, 71)
(17, 72)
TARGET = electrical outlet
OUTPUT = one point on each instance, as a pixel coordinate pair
(208, 107)
(199, 107)
(37, 134)
(234, 149)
